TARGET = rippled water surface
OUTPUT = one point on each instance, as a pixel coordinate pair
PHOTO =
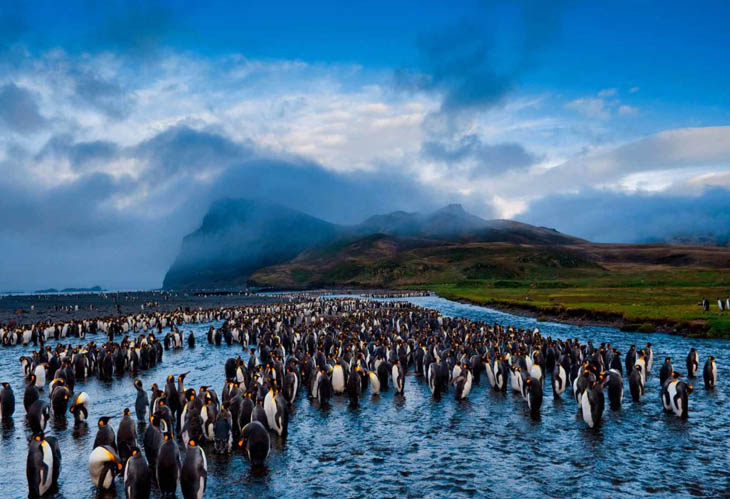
(487, 445)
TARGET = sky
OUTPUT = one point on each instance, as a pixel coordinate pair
(120, 122)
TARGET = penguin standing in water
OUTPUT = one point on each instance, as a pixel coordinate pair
(126, 436)
(649, 354)
(710, 373)
(7, 403)
(374, 383)
(338, 379)
(105, 434)
(534, 396)
(256, 442)
(398, 377)
(636, 383)
(693, 363)
(191, 340)
(434, 383)
(463, 383)
(38, 416)
(168, 465)
(31, 393)
(60, 395)
(592, 403)
(137, 476)
(500, 374)
(43, 466)
(675, 397)
(281, 417)
(666, 371)
(354, 386)
(153, 438)
(324, 388)
(560, 379)
(194, 475)
(104, 464)
(80, 407)
(615, 389)
(631, 359)
(142, 401)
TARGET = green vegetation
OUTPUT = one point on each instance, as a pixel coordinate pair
(636, 287)
(644, 301)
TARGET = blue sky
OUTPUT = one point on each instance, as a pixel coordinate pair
(121, 121)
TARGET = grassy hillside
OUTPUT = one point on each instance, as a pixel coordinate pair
(645, 287)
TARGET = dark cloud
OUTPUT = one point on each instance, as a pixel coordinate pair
(104, 95)
(75, 209)
(458, 62)
(336, 197)
(19, 110)
(491, 159)
(474, 65)
(182, 149)
(604, 216)
(82, 156)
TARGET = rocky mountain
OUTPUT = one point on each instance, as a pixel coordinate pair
(240, 236)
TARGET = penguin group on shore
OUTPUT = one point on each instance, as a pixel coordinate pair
(351, 348)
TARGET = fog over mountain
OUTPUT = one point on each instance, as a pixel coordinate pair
(240, 236)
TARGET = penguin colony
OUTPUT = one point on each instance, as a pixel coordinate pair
(323, 347)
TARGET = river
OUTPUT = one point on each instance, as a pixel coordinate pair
(485, 446)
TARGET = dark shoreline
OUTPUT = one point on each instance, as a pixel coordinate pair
(54, 307)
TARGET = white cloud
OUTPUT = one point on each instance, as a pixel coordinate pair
(625, 110)
(592, 107)
(607, 92)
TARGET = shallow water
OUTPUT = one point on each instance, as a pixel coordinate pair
(390, 446)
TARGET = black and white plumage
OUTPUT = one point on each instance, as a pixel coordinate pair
(104, 465)
(168, 465)
(137, 476)
(80, 407)
(709, 373)
(43, 465)
(398, 378)
(256, 442)
(675, 397)
(194, 472)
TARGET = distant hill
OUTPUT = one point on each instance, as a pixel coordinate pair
(239, 237)
(93, 289)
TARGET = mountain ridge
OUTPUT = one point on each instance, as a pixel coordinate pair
(237, 237)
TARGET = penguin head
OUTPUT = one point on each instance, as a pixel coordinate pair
(6, 385)
(690, 388)
(182, 376)
(125, 412)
